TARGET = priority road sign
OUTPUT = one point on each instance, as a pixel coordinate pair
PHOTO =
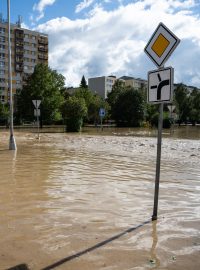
(161, 45)
(160, 85)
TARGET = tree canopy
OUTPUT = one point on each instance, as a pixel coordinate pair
(127, 105)
(46, 85)
(83, 83)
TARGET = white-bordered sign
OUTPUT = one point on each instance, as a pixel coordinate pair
(102, 112)
(36, 103)
(36, 112)
(160, 85)
(161, 45)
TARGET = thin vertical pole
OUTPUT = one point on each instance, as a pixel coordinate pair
(12, 143)
(38, 124)
(157, 179)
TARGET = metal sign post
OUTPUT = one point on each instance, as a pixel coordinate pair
(157, 178)
(102, 114)
(37, 114)
(160, 86)
(12, 143)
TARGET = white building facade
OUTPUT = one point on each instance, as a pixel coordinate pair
(101, 85)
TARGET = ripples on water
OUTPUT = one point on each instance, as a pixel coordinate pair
(65, 193)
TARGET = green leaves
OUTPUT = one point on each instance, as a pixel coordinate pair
(46, 85)
(127, 105)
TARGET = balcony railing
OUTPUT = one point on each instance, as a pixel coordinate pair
(42, 49)
(43, 41)
(19, 68)
(42, 57)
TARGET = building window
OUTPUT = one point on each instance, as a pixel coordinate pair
(2, 72)
(2, 98)
(2, 55)
(2, 47)
(2, 39)
(2, 30)
(2, 64)
(2, 80)
(33, 37)
(26, 35)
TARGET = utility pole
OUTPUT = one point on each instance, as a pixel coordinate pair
(12, 143)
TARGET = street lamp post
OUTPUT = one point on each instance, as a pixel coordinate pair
(12, 143)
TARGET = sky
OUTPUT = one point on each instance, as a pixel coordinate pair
(107, 37)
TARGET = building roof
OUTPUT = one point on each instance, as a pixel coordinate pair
(125, 78)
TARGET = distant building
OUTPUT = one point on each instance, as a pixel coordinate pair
(28, 48)
(101, 85)
(136, 83)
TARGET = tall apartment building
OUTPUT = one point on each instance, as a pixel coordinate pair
(101, 85)
(133, 82)
(28, 48)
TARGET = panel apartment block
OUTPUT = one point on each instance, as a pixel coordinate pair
(101, 85)
(28, 48)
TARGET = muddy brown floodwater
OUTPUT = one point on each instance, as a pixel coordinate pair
(66, 193)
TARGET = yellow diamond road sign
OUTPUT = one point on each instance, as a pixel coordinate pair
(161, 45)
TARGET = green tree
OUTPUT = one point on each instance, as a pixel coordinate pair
(117, 89)
(182, 102)
(194, 114)
(83, 83)
(128, 109)
(93, 103)
(46, 85)
(93, 109)
(4, 113)
(74, 110)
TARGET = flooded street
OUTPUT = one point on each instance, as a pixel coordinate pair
(66, 193)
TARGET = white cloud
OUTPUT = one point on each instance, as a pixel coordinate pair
(84, 4)
(112, 42)
(40, 7)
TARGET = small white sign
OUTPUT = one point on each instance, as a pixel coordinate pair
(171, 108)
(160, 85)
(36, 103)
(161, 45)
(36, 112)
(102, 112)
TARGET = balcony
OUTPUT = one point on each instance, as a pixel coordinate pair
(19, 52)
(19, 60)
(19, 44)
(42, 49)
(43, 57)
(20, 36)
(19, 67)
(43, 41)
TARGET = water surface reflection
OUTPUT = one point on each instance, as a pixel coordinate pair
(65, 193)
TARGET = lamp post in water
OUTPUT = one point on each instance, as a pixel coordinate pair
(12, 143)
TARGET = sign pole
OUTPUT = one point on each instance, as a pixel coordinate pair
(38, 124)
(36, 103)
(160, 86)
(101, 123)
(157, 179)
(12, 143)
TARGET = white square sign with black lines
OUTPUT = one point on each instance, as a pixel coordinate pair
(160, 85)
